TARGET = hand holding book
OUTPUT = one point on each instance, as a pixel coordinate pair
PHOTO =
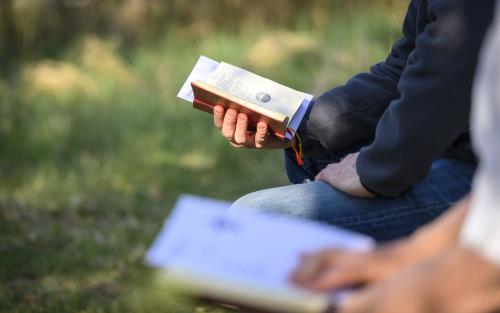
(235, 128)
(244, 259)
(250, 110)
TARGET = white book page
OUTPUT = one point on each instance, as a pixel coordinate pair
(202, 70)
(257, 249)
(256, 89)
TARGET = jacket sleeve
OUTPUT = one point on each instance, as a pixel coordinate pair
(348, 115)
(434, 106)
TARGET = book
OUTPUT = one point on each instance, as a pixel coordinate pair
(218, 83)
(243, 259)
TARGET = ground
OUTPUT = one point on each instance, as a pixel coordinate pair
(95, 147)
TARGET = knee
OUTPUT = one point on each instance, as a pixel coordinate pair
(292, 200)
(328, 108)
(320, 122)
(253, 202)
(280, 200)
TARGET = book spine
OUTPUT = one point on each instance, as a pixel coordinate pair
(202, 106)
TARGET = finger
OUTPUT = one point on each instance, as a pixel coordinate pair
(249, 141)
(349, 269)
(304, 255)
(319, 176)
(306, 271)
(356, 303)
(325, 174)
(218, 116)
(240, 133)
(296, 274)
(236, 145)
(229, 124)
(340, 277)
(311, 266)
(261, 135)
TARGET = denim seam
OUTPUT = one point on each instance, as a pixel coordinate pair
(438, 194)
(396, 215)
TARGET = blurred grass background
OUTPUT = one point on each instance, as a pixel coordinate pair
(95, 146)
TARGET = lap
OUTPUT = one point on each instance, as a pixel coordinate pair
(382, 218)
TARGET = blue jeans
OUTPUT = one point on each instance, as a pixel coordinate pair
(381, 218)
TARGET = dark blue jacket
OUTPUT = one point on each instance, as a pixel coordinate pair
(414, 107)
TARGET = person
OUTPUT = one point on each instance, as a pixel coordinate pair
(389, 150)
(451, 265)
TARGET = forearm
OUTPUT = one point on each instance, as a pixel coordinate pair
(348, 115)
(338, 121)
(434, 107)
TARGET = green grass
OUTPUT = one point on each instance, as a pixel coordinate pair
(90, 165)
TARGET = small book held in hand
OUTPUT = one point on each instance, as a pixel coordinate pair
(244, 258)
(217, 83)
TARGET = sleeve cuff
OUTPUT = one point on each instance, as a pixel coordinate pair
(370, 189)
(375, 178)
(309, 146)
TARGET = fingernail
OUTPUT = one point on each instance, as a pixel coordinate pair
(226, 135)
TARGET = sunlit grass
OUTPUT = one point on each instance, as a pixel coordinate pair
(95, 148)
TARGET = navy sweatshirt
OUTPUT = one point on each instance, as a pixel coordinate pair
(412, 108)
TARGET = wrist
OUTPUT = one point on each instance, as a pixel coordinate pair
(443, 232)
(429, 241)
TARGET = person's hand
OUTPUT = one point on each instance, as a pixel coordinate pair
(456, 280)
(344, 177)
(234, 127)
(336, 269)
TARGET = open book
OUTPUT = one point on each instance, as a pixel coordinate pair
(212, 83)
(243, 259)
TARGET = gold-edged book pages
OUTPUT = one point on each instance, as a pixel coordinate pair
(207, 96)
(243, 295)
